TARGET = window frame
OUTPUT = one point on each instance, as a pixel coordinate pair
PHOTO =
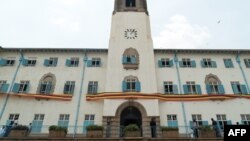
(131, 85)
(228, 61)
(198, 118)
(64, 117)
(23, 86)
(10, 61)
(247, 62)
(2, 82)
(191, 87)
(74, 62)
(130, 3)
(93, 87)
(207, 62)
(172, 117)
(47, 84)
(31, 62)
(38, 117)
(214, 87)
(221, 119)
(238, 86)
(89, 117)
(70, 86)
(52, 61)
(186, 62)
(168, 86)
(245, 119)
(96, 62)
(13, 116)
(165, 62)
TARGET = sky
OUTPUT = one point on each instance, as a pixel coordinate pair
(183, 24)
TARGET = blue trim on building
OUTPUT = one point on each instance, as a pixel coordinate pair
(80, 93)
(179, 82)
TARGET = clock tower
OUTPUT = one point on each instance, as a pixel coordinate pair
(130, 53)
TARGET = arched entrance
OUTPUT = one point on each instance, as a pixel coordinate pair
(131, 115)
(130, 112)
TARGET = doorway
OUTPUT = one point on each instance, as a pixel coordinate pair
(130, 115)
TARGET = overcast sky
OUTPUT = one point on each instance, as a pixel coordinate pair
(86, 23)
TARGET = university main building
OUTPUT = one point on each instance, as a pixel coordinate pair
(130, 82)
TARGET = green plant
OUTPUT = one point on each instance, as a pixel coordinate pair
(20, 127)
(166, 128)
(58, 128)
(131, 127)
(94, 128)
(206, 128)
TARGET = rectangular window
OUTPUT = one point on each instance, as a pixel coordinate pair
(93, 87)
(64, 117)
(186, 62)
(89, 120)
(69, 87)
(90, 117)
(23, 87)
(168, 88)
(73, 62)
(245, 119)
(95, 62)
(222, 120)
(129, 59)
(165, 62)
(198, 118)
(214, 88)
(51, 62)
(130, 3)
(131, 85)
(63, 120)
(247, 62)
(208, 63)
(239, 88)
(2, 83)
(39, 117)
(13, 117)
(31, 61)
(172, 120)
(10, 61)
(191, 87)
(228, 63)
(46, 87)
(37, 123)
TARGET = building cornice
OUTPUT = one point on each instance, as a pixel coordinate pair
(162, 97)
(214, 51)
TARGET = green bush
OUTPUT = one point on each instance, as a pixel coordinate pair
(206, 128)
(131, 127)
(94, 128)
(20, 127)
(166, 128)
(58, 128)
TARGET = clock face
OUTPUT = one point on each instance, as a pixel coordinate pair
(130, 33)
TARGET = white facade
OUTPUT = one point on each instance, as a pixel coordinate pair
(107, 101)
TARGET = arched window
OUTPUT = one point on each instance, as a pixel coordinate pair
(213, 85)
(130, 3)
(131, 84)
(130, 59)
(47, 84)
